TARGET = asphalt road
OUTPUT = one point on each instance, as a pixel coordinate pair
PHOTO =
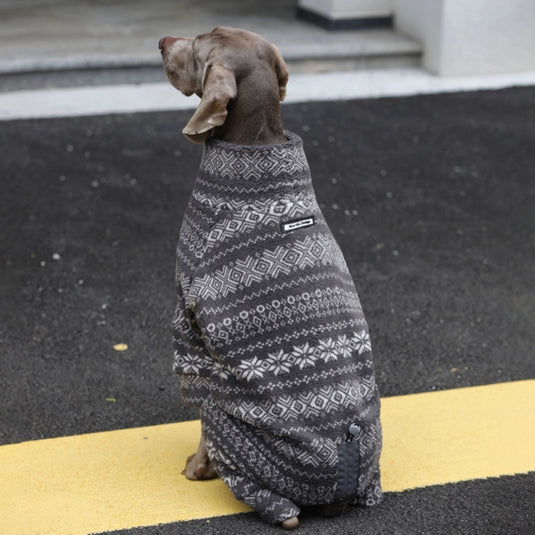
(430, 197)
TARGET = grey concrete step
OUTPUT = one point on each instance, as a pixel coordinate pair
(65, 35)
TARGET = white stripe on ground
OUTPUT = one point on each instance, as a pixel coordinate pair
(82, 101)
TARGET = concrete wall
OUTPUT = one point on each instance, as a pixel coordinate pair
(471, 36)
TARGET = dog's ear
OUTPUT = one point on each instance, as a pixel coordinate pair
(281, 70)
(218, 87)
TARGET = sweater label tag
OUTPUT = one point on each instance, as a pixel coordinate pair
(297, 224)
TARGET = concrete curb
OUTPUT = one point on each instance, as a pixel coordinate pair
(84, 101)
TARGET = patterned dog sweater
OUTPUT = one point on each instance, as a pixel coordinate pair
(270, 340)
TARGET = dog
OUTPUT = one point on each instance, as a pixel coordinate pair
(270, 340)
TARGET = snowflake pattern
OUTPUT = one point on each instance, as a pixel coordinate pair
(279, 363)
(221, 371)
(327, 350)
(343, 346)
(187, 363)
(305, 355)
(252, 368)
(362, 342)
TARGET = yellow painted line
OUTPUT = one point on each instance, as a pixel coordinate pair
(458, 435)
(131, 477)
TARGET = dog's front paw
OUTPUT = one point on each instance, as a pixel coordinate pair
(199, 469)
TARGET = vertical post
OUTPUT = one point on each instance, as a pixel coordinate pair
(472, 36)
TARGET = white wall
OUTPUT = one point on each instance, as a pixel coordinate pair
(471, 36)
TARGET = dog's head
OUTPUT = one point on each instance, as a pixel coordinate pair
(212, 65)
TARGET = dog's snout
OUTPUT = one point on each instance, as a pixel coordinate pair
(166, 42)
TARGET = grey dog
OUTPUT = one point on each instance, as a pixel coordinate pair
(270, 339)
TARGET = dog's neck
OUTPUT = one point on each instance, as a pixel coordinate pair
(253, 136)
(241, 131)
(253, 117)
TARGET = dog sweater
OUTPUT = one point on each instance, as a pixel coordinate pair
(270, 340)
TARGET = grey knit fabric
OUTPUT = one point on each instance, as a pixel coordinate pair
(270, 339)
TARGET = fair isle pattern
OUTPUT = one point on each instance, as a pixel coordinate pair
(265, 187)
(228, 161)
(307, 280)
(305, 355)
(276, 207)
(274, 340)
(269, 336)
(266, 318)
(269, 264)
(306, 405)
(229, 393)
(252, 218)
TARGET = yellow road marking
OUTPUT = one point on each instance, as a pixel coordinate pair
(458, 435)
(131, 477)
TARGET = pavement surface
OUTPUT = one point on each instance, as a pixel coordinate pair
(430, 197)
